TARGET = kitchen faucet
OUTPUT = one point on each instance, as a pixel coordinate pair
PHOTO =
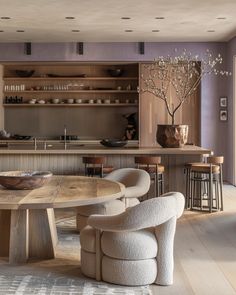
(65, 145)
(35, 143)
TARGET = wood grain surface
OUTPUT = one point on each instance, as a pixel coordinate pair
(61, 192)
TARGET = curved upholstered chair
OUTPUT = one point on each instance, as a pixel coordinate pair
(137, 183)
(134, 247)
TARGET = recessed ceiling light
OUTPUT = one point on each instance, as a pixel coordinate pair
(75, 31)
(5, 17)
(20, 31)
(159, 17)
(155, 31)
(69, 17)
(128, 31)
(210, 31)
(221, 17)
(125, 17)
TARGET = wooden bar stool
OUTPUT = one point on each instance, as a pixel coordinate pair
(95, 166)
(204, 183)
(187, 171)
(155, 170)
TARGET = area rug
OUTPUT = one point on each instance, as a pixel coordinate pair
(30, 285)
(60, 276)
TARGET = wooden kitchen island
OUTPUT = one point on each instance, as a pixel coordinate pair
(69, 161)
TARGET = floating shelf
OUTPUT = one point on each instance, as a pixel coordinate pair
(70, 105)
(72, 91)
(69, 78)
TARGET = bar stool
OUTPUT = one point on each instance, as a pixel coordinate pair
(152, 165)
(187, 171)
(94, 166)
(204, 182)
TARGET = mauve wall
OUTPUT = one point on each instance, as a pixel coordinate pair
(231, 52)
(214, 135)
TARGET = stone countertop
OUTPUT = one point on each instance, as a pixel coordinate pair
(82, 149)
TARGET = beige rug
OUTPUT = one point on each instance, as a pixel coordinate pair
(60, 276)
(52, 285)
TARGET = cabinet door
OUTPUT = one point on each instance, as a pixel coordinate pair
(153, 112)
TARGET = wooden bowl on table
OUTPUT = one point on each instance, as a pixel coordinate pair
(20, 180)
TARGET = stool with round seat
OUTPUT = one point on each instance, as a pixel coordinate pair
(151, 164)
(95, 166)
(204, 184)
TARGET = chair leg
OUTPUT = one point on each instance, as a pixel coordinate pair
(187, 190)
(157, 185)
(221, 191)
(210, 192)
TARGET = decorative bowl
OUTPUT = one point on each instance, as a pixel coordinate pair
(115, 72)
(21, 73)
(20, 180)
(113, 142)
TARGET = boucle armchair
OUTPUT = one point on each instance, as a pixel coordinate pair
(134, 247)
(137, 184)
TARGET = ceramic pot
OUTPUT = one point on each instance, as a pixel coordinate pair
(172, 136)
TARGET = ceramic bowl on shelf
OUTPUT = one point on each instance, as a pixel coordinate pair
(70, 100)
(115, 72)
(21, 73)
(55, 100)
(21, 180)
(33, 101)
(113, 142)
(41, 101)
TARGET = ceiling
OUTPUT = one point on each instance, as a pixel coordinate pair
(100, 20)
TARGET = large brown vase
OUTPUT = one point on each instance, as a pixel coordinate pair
(172, 136)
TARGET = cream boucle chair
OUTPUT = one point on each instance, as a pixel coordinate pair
(137, 183)
(135, 247)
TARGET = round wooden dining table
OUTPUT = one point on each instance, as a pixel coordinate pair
(27, 223)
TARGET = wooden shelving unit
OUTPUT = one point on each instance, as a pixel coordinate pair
(69, 78)
(77, 81)
(70, 105)
(71, 91)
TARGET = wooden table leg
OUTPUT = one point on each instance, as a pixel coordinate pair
(18, 249)
(5, 221)
(42, 233)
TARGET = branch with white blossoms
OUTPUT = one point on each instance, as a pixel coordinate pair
(182, 73)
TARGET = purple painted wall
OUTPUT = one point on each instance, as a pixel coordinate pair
(231, 53)
(215, 134)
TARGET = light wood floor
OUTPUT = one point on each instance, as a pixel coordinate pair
(205, 254)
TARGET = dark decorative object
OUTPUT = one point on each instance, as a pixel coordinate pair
(80, 48)
(20, 180)
(28, 48)
(66, 76)
(21, 137)
(141, 47)
(24, 74)
(115, 72)
(113, 142)
(172, 136)
(131, 129)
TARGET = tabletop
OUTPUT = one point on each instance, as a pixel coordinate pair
(62, 192)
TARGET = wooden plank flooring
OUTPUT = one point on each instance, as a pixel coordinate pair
(205, 254)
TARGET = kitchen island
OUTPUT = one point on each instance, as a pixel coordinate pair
(61, 161)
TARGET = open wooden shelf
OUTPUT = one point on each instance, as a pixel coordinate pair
(70, 105)
(72, 91)
(69, 78)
